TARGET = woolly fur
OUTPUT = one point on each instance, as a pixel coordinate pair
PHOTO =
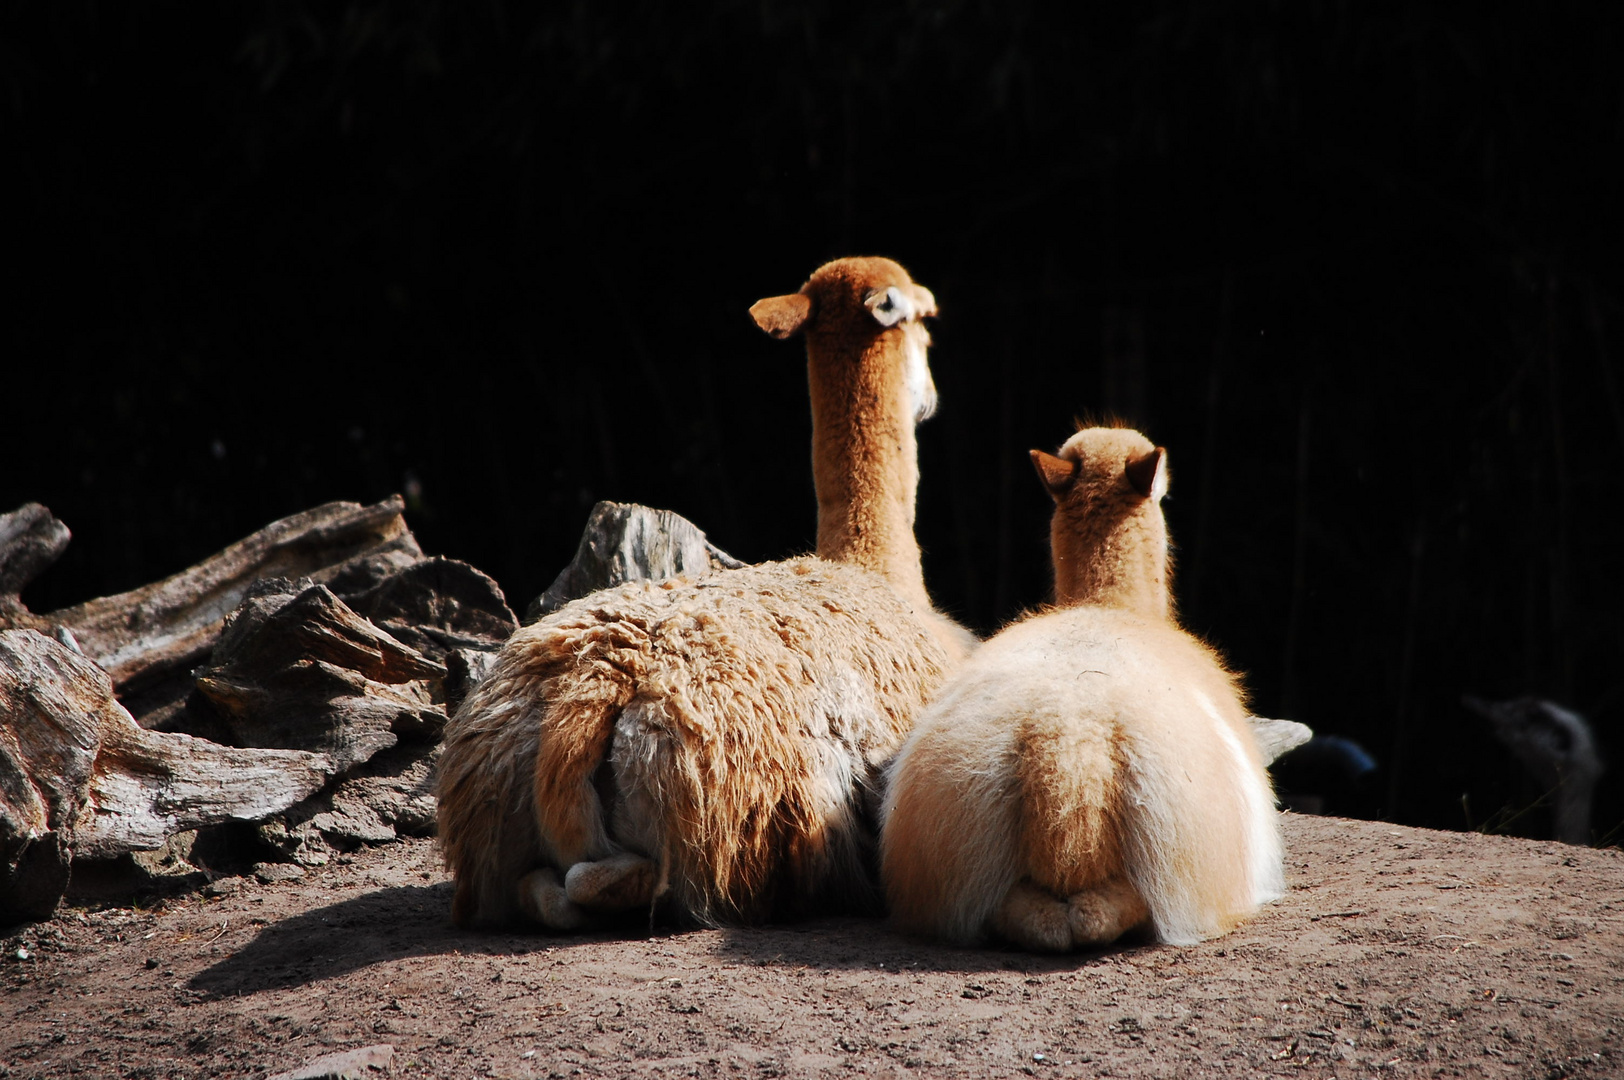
(731, 731)
(1090, 769)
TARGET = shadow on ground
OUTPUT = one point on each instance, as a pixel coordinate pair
(386, 924)
(405, 921)
(870, 945)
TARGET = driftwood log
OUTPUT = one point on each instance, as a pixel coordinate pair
(297, 669)
(30, 540)
(627, 542)
(140, 636)
(79, 777)
(322, 722)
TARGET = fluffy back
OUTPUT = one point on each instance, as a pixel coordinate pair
(1086, 746)
(745, 719)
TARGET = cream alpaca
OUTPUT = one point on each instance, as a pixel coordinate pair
(720, 742)
(1091, 769)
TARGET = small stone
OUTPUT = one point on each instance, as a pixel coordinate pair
(271, 873)
(347, 1064)
(152, 962)
(222, 887)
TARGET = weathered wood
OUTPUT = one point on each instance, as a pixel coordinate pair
(627, 542)
(80, 779)
(1275, 738)
(449, 612)
(51, 714)
(30, 540)
(440, 595)
(149, 785)
(297, 668)
(169, 625)
(390, 796)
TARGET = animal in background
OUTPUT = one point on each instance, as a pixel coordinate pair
(1091, 769)
(718, 744)
(1328, 774)
(1558, 750)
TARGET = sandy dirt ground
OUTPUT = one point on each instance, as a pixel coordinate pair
(1398, 952)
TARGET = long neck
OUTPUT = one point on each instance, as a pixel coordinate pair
(1127, 568)
(865, 462)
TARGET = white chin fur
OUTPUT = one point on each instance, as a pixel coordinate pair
(921, 387)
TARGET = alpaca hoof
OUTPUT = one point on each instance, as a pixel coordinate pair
(1033, 920)
(543, 899)
(618, 883)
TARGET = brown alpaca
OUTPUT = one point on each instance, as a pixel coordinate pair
(719, 743)
(1091, 769)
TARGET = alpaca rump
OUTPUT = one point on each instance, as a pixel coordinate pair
(1090, 770)
(744, 724)
(717, 744)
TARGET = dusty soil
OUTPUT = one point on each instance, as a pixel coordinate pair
(1398, 952)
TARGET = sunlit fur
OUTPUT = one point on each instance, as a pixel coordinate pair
(1091, 769)
(718, 743)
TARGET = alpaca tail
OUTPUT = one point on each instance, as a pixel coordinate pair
(1203, 855)
(516, 770)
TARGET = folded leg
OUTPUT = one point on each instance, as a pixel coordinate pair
(542, 898)
(1035, 919)
(1104, 913)
(619, 883)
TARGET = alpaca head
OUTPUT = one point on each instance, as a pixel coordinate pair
(1108, 535)
(850, 306)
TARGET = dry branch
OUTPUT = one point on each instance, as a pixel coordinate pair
(146, 633)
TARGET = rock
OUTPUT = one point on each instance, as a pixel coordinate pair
(272, 873)
(627, 542)
(223, 887)
(345, 1065)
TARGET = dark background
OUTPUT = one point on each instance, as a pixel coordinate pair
(1356, 266)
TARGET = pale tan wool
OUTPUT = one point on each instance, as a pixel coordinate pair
(719, 743)
(1091, 769)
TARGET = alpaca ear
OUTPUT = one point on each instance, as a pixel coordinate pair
(1148, 474)
(1057, 473)
(891, 306)
(782, 316)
